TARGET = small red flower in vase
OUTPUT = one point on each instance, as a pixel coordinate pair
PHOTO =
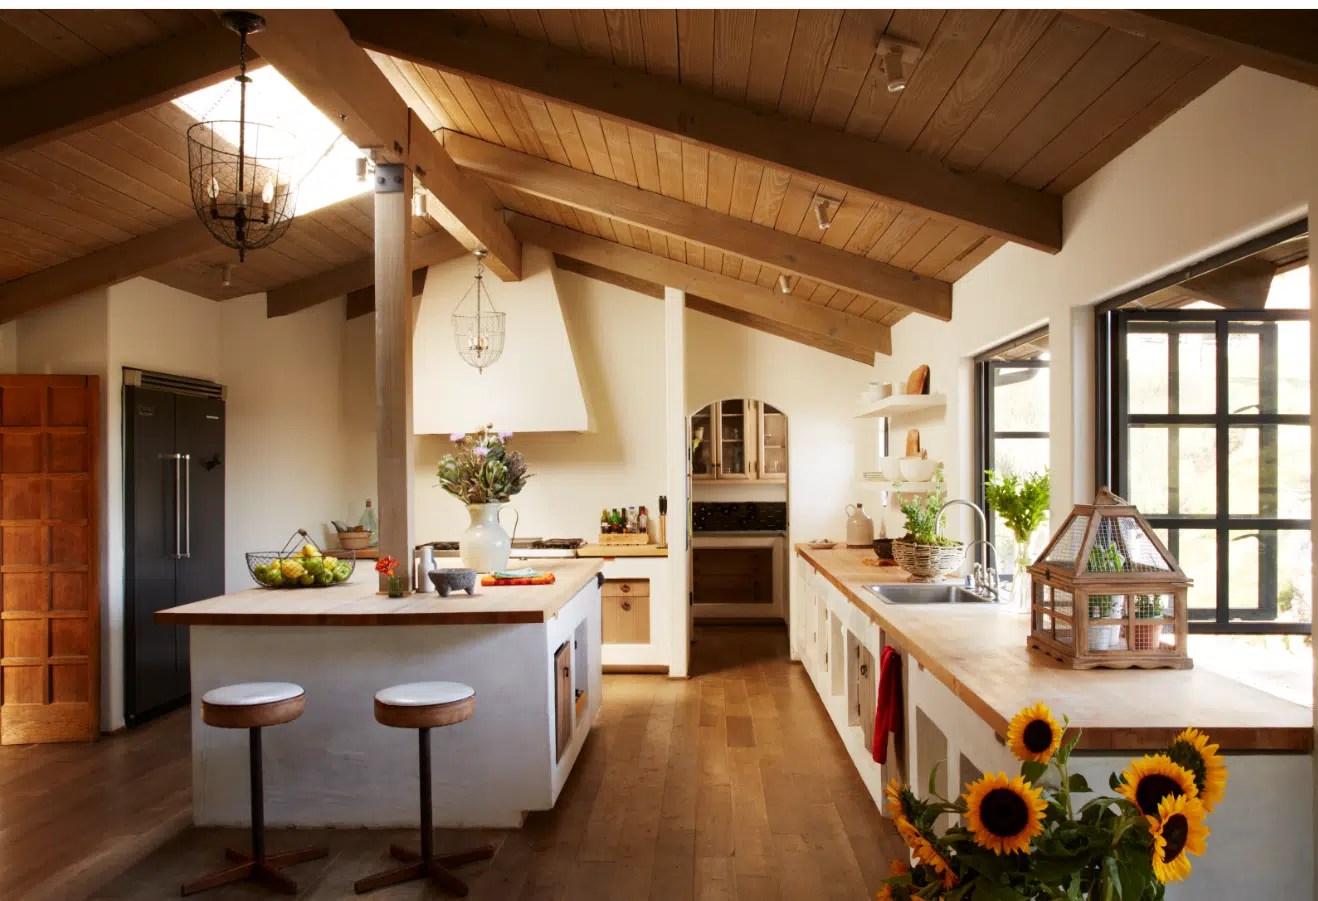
(388, 566)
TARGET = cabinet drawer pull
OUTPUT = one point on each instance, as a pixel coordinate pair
(864, 669)
(626, 588)
(626, 605)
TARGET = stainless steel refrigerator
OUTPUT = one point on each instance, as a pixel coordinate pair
(174, 528)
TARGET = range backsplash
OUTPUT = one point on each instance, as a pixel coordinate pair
(753, 516)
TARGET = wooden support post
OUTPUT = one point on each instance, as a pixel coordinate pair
(394, 322)
(676, 448)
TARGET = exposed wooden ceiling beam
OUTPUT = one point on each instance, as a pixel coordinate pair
(313, 50)
(350, 277)
(1280, 41)
(703, 305)
(751, 300)
(661, 105)
(120, 86)
(690, 222)
(103, 267)
(362, 301)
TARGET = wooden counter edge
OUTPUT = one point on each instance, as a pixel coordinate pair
(1230, 738)
(606, 551)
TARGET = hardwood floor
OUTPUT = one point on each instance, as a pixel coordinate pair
(730, 786)
(75, 815)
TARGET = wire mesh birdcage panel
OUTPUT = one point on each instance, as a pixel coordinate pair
(1063, 634)
(1063, 602)
(1043, 623)
(1107, 606)
(1066, 549)
(1121, 546)
(247, 200)
(1154, 606)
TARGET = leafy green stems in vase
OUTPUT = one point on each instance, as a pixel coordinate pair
(1022, 504)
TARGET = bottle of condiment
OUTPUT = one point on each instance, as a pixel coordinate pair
(643, 522)
(604, 521)
(369, 523)
(633, 523)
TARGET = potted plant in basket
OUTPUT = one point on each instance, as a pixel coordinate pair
(1022, 502)
(1024, 838)
(922, 551)
(483, 473)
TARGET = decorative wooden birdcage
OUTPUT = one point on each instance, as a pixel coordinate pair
(1107, 592)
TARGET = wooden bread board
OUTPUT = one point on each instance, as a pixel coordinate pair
(918, 381)
(629, 539)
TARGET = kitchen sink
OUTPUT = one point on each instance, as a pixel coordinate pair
(934, 593)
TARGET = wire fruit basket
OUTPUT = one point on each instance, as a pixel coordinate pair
(300, 564)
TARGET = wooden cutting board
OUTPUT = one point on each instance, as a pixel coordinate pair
(913, 443)
(915, 384)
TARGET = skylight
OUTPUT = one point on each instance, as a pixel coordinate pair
(325, 169)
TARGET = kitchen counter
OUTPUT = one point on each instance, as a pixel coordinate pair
(358, 602)
(978, 652)
(622, 550)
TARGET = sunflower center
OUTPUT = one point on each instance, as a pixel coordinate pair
(1004, 813)
(1153, 789)
(1038, 736)
(1176, 831)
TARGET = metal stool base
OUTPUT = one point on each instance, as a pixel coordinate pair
(265, 871)
(415, 867)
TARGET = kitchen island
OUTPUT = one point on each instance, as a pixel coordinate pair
(531, 652)
(966, 671)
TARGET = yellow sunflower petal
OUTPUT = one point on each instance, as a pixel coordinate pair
(1177, 830)
(927, 854)
(1212, 784)
(1151, 778)
(1033, 734)
(1004, 814)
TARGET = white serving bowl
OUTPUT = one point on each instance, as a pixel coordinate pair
(891, 467)
(917, 469)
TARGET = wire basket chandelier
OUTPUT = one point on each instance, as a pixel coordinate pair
(244, 194)
(478, 333)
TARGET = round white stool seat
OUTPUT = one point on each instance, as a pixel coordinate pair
(424, 705)
(248, 694)
(424, 694)
(250, 705)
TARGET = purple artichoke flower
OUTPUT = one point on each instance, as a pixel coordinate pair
(481, 452)
(504, 436)
(456, 437)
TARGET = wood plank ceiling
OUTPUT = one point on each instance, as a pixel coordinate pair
(1038, 98)
(1035, 98)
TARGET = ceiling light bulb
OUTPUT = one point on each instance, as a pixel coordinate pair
(268, 192)
(213, 189)
(892, 67)
(784, 285)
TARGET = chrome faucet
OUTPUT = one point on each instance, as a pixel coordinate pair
(986, 580)
(983, 522)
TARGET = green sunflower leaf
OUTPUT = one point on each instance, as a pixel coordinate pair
(1078, 783)
(991, 890)
(1032, 771)
(933, 779)
(1114, 782)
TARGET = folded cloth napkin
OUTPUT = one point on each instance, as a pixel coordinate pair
(525, 572)
(534, 579)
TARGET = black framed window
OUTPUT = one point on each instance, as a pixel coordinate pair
(1011, 427)
(1206, 428)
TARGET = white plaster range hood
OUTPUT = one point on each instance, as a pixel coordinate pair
(533, 387)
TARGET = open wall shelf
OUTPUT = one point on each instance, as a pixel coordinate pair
(899, 404)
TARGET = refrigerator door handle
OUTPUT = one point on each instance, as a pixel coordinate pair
(178, 542)
(187, 509)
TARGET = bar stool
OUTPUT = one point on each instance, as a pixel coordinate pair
(253, 706)
(424, 706)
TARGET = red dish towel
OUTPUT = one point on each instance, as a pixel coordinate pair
(888, 717)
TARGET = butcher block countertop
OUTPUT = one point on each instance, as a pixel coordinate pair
(623, 550)
(357, 603)
(979, 653)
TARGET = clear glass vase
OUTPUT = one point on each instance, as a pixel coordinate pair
(395, 586)
(1022, 588)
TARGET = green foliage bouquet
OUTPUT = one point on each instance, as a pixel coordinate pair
(921, 511)
(1023, 838)
(1022, 502)
(483, 470)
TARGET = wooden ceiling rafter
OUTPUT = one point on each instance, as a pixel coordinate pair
(314, 51)
(784, 252)
(747, 299)
(362, 301)
(845, 162)
(356, 275)
(1280, 41)
(119, 86)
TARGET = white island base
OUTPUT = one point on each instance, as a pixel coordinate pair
(337, 767)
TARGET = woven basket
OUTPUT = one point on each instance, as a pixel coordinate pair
(927, 562)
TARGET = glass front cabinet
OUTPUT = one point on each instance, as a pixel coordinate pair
(739, 439)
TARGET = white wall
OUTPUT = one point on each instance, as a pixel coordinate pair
(826, 445)
(1235, 163)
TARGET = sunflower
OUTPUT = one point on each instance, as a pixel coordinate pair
(1151, 778)
(899, 809)
(1033, 734)
(1192, 751)
(1178, 829)
(1004, 814)
(926, 853)
(896, 870)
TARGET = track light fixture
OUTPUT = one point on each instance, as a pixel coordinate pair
(898, 59)
(226, 275)
(825, 209)
(783, 284)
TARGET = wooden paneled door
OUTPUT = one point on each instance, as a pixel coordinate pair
(49, 558)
